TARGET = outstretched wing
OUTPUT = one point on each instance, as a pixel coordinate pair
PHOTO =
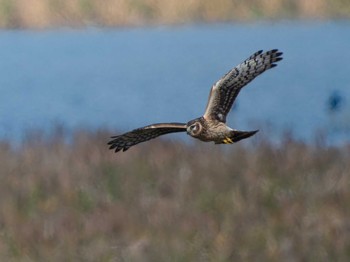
(223, 93)
(129, 139)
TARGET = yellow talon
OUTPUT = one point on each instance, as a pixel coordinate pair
(229, 140)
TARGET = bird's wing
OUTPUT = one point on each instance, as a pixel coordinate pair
(223, 93)
(129, 139)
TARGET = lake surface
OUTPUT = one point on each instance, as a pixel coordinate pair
(122, 79)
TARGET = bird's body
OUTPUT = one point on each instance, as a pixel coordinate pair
(212, 125)
(216, 131)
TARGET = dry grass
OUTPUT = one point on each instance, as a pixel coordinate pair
(168, 201)
(50, 13)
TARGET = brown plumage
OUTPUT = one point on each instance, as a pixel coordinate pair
(212, 125)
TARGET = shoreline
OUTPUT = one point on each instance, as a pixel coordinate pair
(42, 14)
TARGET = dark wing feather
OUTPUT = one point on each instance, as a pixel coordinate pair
(224, 92)
(125, 141)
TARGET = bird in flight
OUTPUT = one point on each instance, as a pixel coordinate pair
(212, 125)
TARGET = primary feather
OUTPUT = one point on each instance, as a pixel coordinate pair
(224, 92)
(139, 135)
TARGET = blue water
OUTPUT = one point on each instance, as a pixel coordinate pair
(121, 79)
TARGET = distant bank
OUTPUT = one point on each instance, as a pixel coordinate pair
(58, 13)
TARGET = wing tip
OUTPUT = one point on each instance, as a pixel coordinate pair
(117, 148)
(114, 144)
(278, 59)
(275, 57)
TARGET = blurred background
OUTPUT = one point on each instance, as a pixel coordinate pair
(75, 72)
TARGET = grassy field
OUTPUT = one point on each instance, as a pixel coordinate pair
(51, 13)
(170, 201)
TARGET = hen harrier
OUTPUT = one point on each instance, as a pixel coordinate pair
(212, 125)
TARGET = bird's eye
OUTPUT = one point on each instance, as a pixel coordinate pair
(194, 127)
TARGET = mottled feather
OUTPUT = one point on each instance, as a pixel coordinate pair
(139, 135)
(223, 93)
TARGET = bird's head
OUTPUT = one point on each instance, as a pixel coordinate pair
(194, 127)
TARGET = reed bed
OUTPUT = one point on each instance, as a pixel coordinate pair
(53, 13)
(172, 201)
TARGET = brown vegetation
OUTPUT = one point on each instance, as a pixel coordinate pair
(50, 13)
(169, 201)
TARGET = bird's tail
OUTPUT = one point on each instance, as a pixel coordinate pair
(236, 135)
